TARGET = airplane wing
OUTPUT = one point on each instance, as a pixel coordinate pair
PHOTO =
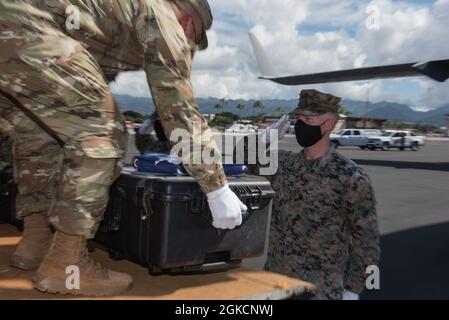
(437, 70)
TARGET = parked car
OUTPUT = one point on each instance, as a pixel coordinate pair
(242, 128)
(291, 128)
(353, 137)
(396, 139)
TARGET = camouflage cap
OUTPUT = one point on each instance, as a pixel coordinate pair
(313, 103)
(202, 9)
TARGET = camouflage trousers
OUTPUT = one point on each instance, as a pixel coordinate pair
(5, 148)
(66, 129)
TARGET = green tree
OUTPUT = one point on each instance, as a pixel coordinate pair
(343, 110)
(223, 120)
(133, 116)
(218, 107)
(240, 107)
(257, 118)
(396, 125)
(223, 102)
(230, 115)
(258, 105)
(426, 128)
(280, 111)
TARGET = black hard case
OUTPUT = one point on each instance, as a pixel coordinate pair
(8, 191)
(164, 223)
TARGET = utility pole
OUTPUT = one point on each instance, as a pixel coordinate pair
(366, 106)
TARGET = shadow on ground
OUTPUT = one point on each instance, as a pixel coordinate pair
(414, 264)
(433, 166)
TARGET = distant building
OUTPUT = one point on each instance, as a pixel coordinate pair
(243, 121)
(347, 122)
(271, 119)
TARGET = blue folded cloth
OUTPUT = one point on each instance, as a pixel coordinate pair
(171, 165)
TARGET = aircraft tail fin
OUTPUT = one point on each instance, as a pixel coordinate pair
(265, 65)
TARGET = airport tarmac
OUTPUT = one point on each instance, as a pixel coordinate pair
(412, 190)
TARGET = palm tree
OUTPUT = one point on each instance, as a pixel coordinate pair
(218, 107)
(223, 102)
(241, 107)
(342, 110)
(280, 111)
(258, 105)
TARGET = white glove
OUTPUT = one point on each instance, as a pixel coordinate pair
(348, 295)
(226, 208)
(147, 127)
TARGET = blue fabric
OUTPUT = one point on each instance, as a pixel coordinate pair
(166, 164)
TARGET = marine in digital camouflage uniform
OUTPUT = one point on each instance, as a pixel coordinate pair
(324, 226)
(68, 130)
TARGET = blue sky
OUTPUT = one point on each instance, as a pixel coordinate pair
(303, 36)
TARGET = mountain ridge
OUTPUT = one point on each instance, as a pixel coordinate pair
(388, 110)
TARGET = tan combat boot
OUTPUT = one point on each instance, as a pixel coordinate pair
(34, 245)
(94, 280)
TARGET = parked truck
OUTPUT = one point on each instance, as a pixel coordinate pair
(400, 139)
(353, 137)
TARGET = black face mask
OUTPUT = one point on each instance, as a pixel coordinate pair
(308, 135)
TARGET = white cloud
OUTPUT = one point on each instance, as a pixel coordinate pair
(305, 36)
(216, 58)
(433, 94)
(335, 13)
(131, 83)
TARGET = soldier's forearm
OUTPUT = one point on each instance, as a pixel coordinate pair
(209, 177)
(187, 130)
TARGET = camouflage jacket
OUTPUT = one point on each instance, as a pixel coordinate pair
(124, 35)
(324, 227)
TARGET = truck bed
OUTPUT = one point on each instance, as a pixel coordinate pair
(239, 284)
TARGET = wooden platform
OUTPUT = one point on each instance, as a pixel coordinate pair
(232, 285)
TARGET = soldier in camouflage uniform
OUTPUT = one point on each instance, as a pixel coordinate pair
(5, 142)
(5, 150)
(67, 129)
(324, 228)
